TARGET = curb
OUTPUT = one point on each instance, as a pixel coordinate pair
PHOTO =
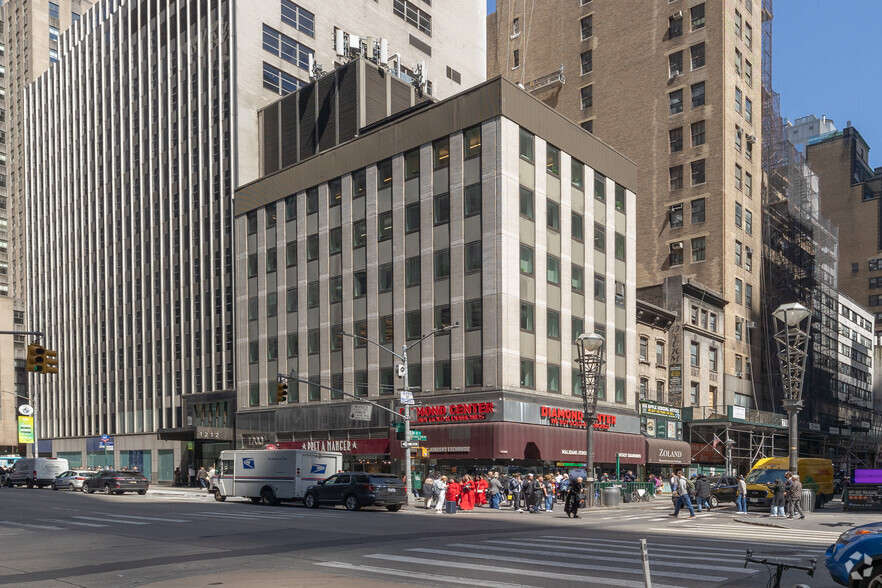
(759, 524)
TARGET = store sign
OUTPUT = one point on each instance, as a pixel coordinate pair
(215, 433)
(451, 413)
(25, 429)
(675, 379)
(654, 408)
(460, 449)
(574, 419)
(350, 446)
(739, 412)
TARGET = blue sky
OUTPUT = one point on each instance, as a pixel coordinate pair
(823, 59)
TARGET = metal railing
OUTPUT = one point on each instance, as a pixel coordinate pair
(629, 489)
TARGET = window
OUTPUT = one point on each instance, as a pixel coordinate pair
(473, 256)
(53, 10)
(473, 314)
(412, 164)
(693, 316)
(675, 26)
(644, 349)
(694, 355)
(474, 371)
(599, 237)
(359, 184)
(442, 316)
(577, 173)
(576, 329)
(620, 390)
(739, 133)
(738, 100)
(748, 295)
(675, 137)
(696, 52)
(516, 58)
(738, 61)
(748, 110)
(335, 240)
(675, 256)
(360, 387)
(526, 145)
(738, 249)
(712, 325)
(675, 63)
(312, 295)
(577, 227)
(473, 142)
(298, 17)
(516, 27)
(698, 172)
(442, 375)
(875, 283)
(272, 260)
(697, 13)
(472, 200)
(599, 187)
(552, 215)
(676, 175)
(335, 289)
(620, 294)
(748, 260)
(748, 73)
(620, 247)
(359, 284)
(252, 223)
(412, 325)
(312, 248)
(599, 287)
(697, 133)
(442, 264)
(253, 352)
(587, 94)
(441, 153)
(739, 287)
(659, 353)
(385, 277)
(335, 192)
(412, 271)
(553, 270)
(620, 343)
(748, 35)
(748, 152)
(553, 324)
(291, 300)
(698, 211)
(738, 24)
(526, 317)
(412, 218)
(698, 249)
(587, 27)
(384, 174)
(694, 393)
(578, 279)
(588, 125)
(387, 329)
(292, 347)
(587, 61)
(527, 373)
(748, 222)
(413, 15)
(739, 185)
(644, 385)
(739, 212)
(660, 391)
(526, 260)
(675, 216)
(313, 342)
(527, 203)
(697, 94)
(553, 378)
(620, 197)
(359, 234)
(675, 102)
(283, 46)
(252, 309)
(252, 265)
(441, 208)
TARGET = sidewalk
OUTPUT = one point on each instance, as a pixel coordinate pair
(179, 492)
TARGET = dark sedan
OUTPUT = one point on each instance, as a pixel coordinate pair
(116, 482)
(723, 489)
(357, 489)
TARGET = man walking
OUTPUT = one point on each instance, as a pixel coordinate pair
(795, 496)
(703, 492)
(515, 486)
(741, 496)
(494, 490)
(574, 497)
(788, 486)
(683, 494)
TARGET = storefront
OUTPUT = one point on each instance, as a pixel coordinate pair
(665, 456)
(660, 421)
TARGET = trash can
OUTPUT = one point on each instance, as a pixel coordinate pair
(610, 496)
(807, 500)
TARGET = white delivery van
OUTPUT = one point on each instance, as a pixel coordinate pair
(271, 476)
(36, 471)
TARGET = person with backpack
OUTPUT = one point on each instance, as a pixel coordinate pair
(515, 486)
(703, 492)
(684, 487)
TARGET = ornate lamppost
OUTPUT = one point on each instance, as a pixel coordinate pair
(793, 325)
(590, 348)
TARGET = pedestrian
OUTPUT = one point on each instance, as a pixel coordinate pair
(574, 497)
(604, 477)
(777, 498)
(741, 496)
(201, 477)
(683, 491)
(563, 488)
(454, 490)
(481, 486)
(178, 477)
(441, 493)
(528, 492)
(494, 490)
(549, 493)
(675, 496)
(703, 492)
(538, 493)
(209, 476)
(191, 476)
(515, 486)
(467, 496)
(788, 485)
(795, 496)
(428, 491)
(629, 477)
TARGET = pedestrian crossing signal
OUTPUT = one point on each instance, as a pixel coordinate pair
(424, 452)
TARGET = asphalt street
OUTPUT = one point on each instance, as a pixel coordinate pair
(175, 538)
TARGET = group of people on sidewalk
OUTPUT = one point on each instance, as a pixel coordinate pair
(785, 494)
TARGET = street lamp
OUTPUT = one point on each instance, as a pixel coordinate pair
(590, 348)
(793, 339)
(405, 405)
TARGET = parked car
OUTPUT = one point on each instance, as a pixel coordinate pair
(116, 482)
(71, 480)
(855, 559)
(723, 489)
(36, 471)
(355, 490)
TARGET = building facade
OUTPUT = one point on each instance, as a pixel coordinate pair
(805, 128)
(693, 127)
(488, 211)
(154, 106)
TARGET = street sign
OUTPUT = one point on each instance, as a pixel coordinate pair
(26, 410)
(360, 411)
(420, 438)
(105, 438)
(26, 429)
(407, 397)
(409, 444)
(414, 433)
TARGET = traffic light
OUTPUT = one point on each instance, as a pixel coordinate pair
(424, 452)
(281, 391)
(51, 362)
(36, 361)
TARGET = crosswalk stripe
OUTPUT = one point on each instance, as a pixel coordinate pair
(409, 574)
(652, 544)
(495, 569)
(79, 524)
(31, 526)
(792, 539)
(700, 552)
(160, 519)
(542, 562)
(110, 520)
(772, 532)
(604, 555)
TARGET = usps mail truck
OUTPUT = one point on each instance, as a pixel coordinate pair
(271, 476)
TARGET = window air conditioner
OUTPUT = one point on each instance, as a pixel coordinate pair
(751, 139)
(739, 374)
(674, 74)
(677, 15)
(677, 245)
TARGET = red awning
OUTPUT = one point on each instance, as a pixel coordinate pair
(526, 442)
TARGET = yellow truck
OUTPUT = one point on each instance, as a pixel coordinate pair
(815, 474)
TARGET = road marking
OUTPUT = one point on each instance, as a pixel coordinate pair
(792, 539)
(578, 579)
(110, 520)
(659, 546)
(66, 522)
(146, 518)
(609, 558)
(409, 574)
(542, 562)
(30, 526)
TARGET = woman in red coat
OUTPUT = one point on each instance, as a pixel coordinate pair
(481, 485)
(467, 502)
(453, 490)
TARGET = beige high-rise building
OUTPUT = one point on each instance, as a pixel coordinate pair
(675, 86)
